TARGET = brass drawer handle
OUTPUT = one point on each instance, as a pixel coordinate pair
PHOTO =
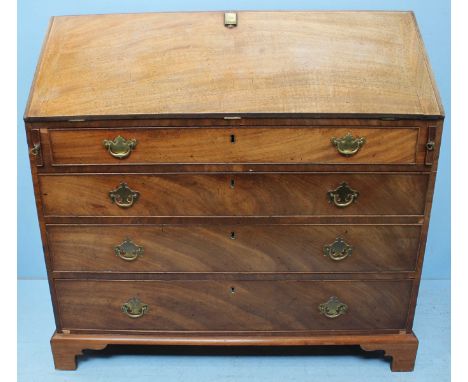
(36, 149)
(128, 250)
(430, 146)
(134, 308)
(348, 145)
(338, 250)
(120, 147)
(342, 196)
(124, 196)
(333, 308)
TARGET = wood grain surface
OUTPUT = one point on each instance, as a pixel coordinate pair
(233, 165)
(233, 248)
(364, 63)
(233, 306)
(235, 145)
(401, 347)
(233, 195)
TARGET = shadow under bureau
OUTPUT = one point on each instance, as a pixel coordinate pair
(250, 178)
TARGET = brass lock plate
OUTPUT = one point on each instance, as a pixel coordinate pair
(230, 19)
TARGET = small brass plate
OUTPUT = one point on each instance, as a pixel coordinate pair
(230, 19)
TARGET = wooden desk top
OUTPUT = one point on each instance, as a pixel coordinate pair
(272, 63)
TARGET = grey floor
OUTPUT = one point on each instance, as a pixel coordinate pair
(35, 326)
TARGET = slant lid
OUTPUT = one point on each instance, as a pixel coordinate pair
(271, 63)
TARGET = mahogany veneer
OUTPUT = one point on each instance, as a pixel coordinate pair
(236, 145)
(237, 248)
(251, 194)
(220, 306)
(266, 184)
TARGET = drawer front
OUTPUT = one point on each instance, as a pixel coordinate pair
(233, 145)
(286, 194)
(243, 248)
(232, 306)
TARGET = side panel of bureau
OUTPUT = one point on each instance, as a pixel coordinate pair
(234, 305)
(234, 194)
(232, 248)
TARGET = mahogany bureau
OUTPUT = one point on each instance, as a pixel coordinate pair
(250, 178)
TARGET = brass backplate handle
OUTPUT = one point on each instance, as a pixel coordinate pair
(128, 250)
(343, 195)
(134, 308)
(124, 196)
(120, 147)
(348, 145)
(333, 308)
(338, 250)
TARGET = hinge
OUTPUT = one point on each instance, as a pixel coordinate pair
(36, 149)
(430, 145)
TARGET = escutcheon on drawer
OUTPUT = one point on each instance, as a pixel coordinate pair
(178, 305)
(273, 194)
(233, 248)
(332, 145)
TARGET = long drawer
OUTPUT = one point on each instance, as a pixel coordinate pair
(234, 145)
(233, 306)
(235, 248)
(278, 194)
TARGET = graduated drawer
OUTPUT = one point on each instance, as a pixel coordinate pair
(279, 194)
(233, 145)
(236, 248)
(233, 305)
